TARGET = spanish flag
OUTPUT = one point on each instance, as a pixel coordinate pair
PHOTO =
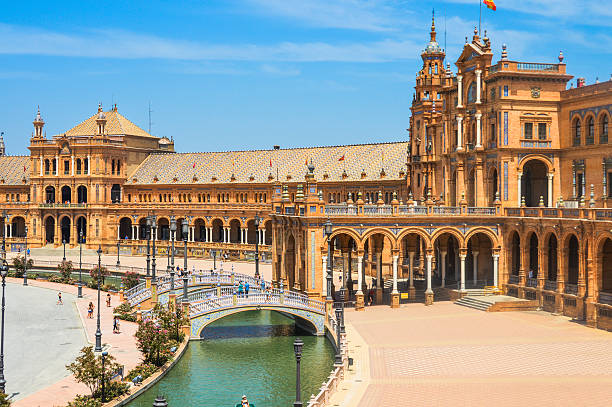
(490, 4)
(341, 158)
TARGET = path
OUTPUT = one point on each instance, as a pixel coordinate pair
(450, 355)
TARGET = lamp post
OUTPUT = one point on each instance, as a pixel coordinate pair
(104, 355)
(80, 288)
(171, 267)
(338, 358)
(118, 243)
(214, 254)
(64, 243)
(25, 257)
(3, 273)
(342, 294)
(98, 347)
(154, 235)
(297, 348)
(4, 219)
(330, 258)
(185, 228)
(256, 222)
(148, 237)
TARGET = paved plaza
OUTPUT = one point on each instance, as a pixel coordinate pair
(447, 355)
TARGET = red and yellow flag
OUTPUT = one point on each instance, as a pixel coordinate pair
(490, 4)
(341, 158)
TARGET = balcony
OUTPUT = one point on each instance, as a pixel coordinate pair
(534, 67)
(605, 298)
(63, 205)
(550, 285)
(532, 282)
(571, 289)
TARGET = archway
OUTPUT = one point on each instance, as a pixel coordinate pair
(217, 230)
(179, 229)
(493, 185)
(50, 194)
(534, 262)
(290, 261)
(163, 229)
(515, 254)
(116, 193)
(82, 228)
(480, 260)
(471, 188)
(82, 194)
(199, 230)
(65, 229)
(534, 183)
(50, 229)
(18, 227)
(573, 260)
(606, 267)
(268, 237)
(378, 262)
(235, 231)
(447, 266)
(125, 228)
(251, 232)
(552, 258)
(142, 229)
(66, 194)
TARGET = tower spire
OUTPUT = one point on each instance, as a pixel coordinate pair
(433, 25)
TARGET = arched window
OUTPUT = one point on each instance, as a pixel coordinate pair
(577, 127)
(78, 166)
(603, 129)
(471, 95)
(47, 167)
(590, 137)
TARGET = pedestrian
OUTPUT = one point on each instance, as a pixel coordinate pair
(240, 289)
(263, 285)
(59, 298)
(530, 273)
(90, 309)
(246, 289)
(115, 325)
(108, 300)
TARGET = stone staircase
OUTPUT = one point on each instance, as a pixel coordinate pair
(474, 303)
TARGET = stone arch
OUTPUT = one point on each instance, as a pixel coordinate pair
(199, 227)
(49, 229)
(552, 254)
(603, 123)
(125, 228)
(163, 228)
(81, 229)
(18, 226)
(493, 185)
(66, 194)
(604, 263)
(533, 247)
(142, 228)
(480, 258)
(576, 130)
(349, 232)
(289, 260)
(268, 227)
(49, 194)
(485, 231)
(534, 182)
(571, 254)
(179, 229)
(513, 250)
(392, 238)
(235, 230)
(217, 230)
(446, 252)
(82, 194)
(454, 232)
(589, 128)
(65, 223)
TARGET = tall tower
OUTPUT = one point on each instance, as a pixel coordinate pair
(38, 125)
(2, 147)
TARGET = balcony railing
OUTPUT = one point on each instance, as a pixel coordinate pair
(481, 211)
(605, 298)
(532, 282)
(550, 285)
(571, 289)
(63, 205)
(526, 66)
(377, 210)
(412, 210)
(512, 279)
(447, 210)
(340, 210)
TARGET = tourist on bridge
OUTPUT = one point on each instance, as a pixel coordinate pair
(240, 289)
(246, 289)
(263, 285)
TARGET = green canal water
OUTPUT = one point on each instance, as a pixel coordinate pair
(246, 353)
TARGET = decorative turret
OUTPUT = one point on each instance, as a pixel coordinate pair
(2, 146)
(101, 120)
(38, 124)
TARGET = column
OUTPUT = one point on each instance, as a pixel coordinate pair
(395, 274)
(41, 165)
(209, 235)
(263, 236)
(137, 232)
(443, 261)
(462, 257)
(192, 233)
(344, 269)
(457, 267)
(410, 267)
(518, 186)
(72, 165)
(475, 270)
(88, 164)
(56, 164)
(550, 189)
(324, 258)
(429, 290)
(459, 91)
(495, 268)
(118, 232)
(359, 274)
(459, 133)
(227, 235)
(379, 270)
(478, 73)
(478, 132)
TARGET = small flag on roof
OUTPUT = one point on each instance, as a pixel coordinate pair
(490, 4)
(341, 158)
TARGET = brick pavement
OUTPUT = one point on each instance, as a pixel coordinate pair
(450, 355)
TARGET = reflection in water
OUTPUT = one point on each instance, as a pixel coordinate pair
(246, 353)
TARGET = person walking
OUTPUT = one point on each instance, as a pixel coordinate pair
(90, 309)
(59, 298)
(115, 325)
(240, 289)
(263, 285)
(246, 289)
(108, 300)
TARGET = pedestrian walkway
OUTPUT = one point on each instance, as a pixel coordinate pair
(451, 355)
(123, 346)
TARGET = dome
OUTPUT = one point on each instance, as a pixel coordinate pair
(164, 140)
(432, 47)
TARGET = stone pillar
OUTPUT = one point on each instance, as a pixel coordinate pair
(379, 284)
(137, 232)
(459, 132)
(459, 91)
(443, 264)
(475, 268)
(263, 236)
(495, 269)
(411, 288)
(324, 293)
(478, 129)
(88, 164)
(345, 261)
(394, 293)
(550, 189)
(429, 295)
(478, 73)
(518, 186)
(118, 232)
(72, 165)
(359, 301)
(41, 166)
(462, 257)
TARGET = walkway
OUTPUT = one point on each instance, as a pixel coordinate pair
(450, 355)
(61, 387)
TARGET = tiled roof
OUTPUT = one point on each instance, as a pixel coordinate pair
(11, 169)
(181, 168)
(116, 124)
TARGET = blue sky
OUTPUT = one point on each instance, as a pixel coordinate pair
(243, 74)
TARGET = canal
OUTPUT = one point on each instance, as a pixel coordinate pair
(246, 353)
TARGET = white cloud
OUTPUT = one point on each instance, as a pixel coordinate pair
(18, 40)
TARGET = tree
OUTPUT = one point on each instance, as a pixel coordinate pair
(153, 341)
(87, 369)
(171, 320)
(20, 265)
(65, 268)
(94, 272)
(130, 280)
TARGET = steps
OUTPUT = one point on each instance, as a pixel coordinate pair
(473, 303)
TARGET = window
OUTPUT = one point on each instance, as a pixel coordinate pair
(47, 167)
(610, 185)
(471, 96)
(542, 131)
(66, 167)
(86, 166)
(579, 184)
(577, 132)
(603, 129)
(418, 180)
(590, 137)
(528, 134)
(78, 166)
(506, 90)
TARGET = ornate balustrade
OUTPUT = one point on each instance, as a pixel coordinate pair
(605, 298)
(571, 289)
(550, 285)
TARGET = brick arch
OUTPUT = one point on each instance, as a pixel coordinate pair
(346, 231)
(539, 157)
(455, 233)
(384, 232)
(485, 231)
(416, 231)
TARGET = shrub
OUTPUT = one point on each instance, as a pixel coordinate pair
(84, 401)
(124, 312)
(56, 278)
(144, 369)
(94, 272)
(130, 280)
(4, 401)
(20, 265)
(153, 342)
(87, 369)
(65, 269)
(171, 321)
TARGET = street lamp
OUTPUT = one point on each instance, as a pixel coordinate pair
(118, 242)
(25, 256)
(297, 348)
(330, 258)
(148, 237)
(185, 228)
(214, 254)
(104, 355)
(80, 288)
(64, 243)
(98, 332)
(3, 273)
(342, 294)
(338, 358)
(154, 234)
(256, 222)
(171, 267)
(4, 219)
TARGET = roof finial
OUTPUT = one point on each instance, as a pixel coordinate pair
(433, 25)
(561, 57)
(504, 54)
(99, 107)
